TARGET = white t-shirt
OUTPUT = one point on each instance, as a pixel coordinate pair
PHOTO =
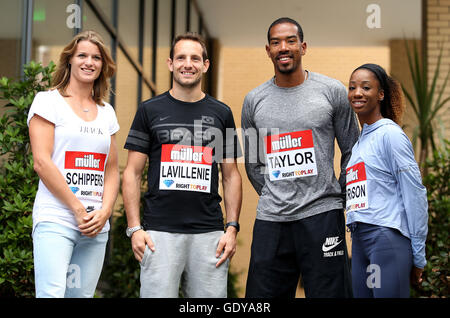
(80, 152)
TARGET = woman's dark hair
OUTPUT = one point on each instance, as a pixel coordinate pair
(393, 104)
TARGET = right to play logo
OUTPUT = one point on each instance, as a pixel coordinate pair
(74, 189)
(276, 173)
(168, 182)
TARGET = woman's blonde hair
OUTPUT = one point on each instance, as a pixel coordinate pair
(61, 77)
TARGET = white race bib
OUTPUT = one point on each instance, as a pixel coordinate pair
(84, 173)
(290, 155)
(356, 191)
(185, 168)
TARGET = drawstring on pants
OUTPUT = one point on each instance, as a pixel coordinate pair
(352, 228)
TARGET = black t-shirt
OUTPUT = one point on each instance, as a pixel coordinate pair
(184, 143)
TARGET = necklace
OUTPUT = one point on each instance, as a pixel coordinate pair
(85, 110)
(305, 72)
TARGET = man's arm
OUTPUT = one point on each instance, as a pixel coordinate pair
(232, 192)
(250, 138)
(131, 190)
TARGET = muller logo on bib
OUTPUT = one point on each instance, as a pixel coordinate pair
(290, 155)
(357, 198)
(85, 160)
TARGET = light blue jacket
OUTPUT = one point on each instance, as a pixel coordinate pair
(395, 194)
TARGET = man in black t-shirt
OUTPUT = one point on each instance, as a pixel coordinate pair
(186, 135)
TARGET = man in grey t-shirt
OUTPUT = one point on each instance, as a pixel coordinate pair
(290, 125)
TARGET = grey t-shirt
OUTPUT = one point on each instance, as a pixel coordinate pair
(289, 138)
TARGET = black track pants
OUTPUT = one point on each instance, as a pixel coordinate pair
(313, 247)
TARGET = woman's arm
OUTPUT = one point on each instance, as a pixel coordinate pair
(414, 194)
(42, 133)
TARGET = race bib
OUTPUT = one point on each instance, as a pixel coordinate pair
(186, 168)
(356, 180)
(290, 155)
(84, 173)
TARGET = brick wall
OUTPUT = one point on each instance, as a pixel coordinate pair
(438, 34)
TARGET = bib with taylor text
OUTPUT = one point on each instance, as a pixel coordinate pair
(290, 155)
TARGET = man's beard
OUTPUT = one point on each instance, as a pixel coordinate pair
(286, 71)
(187, 85)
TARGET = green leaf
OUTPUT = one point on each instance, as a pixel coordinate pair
(18, 181)
(426, 98)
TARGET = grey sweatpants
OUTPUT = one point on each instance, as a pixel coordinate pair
(186, 259)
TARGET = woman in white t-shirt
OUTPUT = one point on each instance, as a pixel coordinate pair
(72, 133)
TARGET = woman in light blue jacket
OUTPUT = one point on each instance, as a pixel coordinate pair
(386, 202)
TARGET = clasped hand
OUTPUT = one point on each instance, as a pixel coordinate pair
(90, 224)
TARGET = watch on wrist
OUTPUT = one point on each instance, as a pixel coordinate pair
(235, 224)
(131, 230)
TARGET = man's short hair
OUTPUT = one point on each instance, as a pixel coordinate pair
(192, 36)
(286, 20)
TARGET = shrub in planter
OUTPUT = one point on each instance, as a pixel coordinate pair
(18, 181)
(436, 275)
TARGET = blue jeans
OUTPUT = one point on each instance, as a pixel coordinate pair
(66, 263)
(381, 262)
